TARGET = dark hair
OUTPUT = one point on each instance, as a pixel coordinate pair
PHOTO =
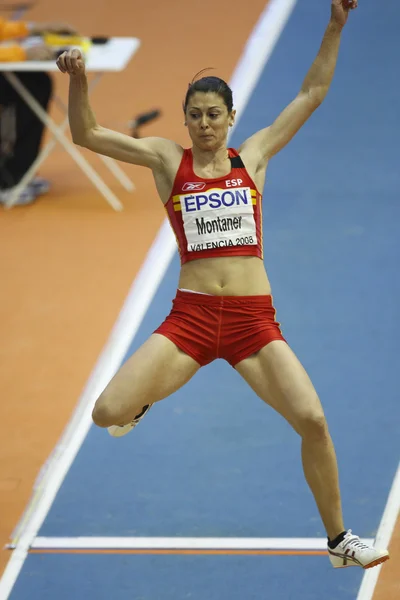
(209, 84)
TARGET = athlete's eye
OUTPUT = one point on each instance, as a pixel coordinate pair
(214, 115)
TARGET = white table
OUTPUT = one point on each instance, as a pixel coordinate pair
(110, 57)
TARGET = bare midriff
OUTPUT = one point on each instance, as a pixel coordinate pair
(226, 276)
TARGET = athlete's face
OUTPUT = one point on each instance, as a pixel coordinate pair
(208, 120)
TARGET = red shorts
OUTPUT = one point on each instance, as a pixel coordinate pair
(229, 327)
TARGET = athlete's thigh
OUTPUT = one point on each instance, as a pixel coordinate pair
(156, 370)
(278, 378)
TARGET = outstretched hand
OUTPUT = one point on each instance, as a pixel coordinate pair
(71, 62)
(341, 9)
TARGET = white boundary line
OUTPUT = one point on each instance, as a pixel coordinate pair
(257, 51)
(383, 537)
(179, 543)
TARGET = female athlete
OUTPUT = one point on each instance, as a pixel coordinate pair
(223, 307)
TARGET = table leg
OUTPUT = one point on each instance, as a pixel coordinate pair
(63, 140)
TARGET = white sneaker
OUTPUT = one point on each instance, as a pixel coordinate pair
(27, 196)
(39, 186)
(352, 552)
(120, 430)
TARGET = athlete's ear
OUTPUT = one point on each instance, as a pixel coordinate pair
(232, 119)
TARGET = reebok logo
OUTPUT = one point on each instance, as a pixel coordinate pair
(193, 186)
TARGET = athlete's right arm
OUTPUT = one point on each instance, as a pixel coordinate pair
(86, 132)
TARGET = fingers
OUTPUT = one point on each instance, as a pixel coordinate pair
(61, 63)
(71, 62)
(350, 4)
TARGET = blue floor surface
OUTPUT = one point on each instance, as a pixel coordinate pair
(213, 460)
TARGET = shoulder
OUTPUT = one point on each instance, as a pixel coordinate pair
(169, 152)
(158, 153)
(251, 150)
(163, 147)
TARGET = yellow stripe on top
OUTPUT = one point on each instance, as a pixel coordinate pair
(177, 203)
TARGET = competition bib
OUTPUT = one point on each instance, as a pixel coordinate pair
(218, 217)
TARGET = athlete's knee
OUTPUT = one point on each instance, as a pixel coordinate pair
(103, 414)
(313, 426)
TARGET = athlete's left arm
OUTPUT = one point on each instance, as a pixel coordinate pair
(269, 141)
